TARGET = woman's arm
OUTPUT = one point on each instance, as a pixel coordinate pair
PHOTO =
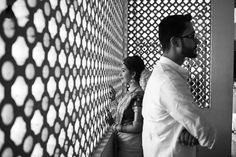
(136, 125)
(111, 112)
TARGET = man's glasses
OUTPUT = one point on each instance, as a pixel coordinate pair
(189, 36)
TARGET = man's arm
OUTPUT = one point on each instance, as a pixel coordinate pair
(179, 103)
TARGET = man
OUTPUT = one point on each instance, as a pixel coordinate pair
(168, 106)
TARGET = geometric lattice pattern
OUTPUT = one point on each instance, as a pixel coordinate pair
(143, 20)
(57, 58)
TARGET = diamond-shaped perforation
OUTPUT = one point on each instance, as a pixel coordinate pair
(57, 60)
(143, 20)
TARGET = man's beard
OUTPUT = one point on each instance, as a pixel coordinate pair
(189, 52)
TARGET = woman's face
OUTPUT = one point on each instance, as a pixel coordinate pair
(125, 75)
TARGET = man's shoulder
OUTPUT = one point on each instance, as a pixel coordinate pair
(166, 78)
(165, 72)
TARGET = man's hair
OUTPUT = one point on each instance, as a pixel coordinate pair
(172, 26)
(134, 64)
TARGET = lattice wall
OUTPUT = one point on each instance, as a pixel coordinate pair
(57, 58)
(143, 19)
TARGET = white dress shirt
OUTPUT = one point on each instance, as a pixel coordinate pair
(168, 107)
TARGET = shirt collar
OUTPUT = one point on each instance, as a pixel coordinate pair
(175, 66)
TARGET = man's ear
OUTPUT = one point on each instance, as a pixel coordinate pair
(174, 42)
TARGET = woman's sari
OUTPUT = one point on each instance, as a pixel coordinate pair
(129, 144)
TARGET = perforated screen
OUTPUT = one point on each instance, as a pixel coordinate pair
(57, 58)
(143, 19)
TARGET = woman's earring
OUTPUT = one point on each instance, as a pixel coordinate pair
(127, 86)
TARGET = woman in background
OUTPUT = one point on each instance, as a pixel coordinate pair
(144, 78)
(127, 120)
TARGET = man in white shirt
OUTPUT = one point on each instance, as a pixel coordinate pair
(168, 106)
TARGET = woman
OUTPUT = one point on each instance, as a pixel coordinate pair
(128, 119)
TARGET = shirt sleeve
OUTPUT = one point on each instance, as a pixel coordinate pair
(178, 101)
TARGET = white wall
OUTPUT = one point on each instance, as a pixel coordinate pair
(220, 112)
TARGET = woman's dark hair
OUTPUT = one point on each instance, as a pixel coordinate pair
(134, 64)
(172, 26)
